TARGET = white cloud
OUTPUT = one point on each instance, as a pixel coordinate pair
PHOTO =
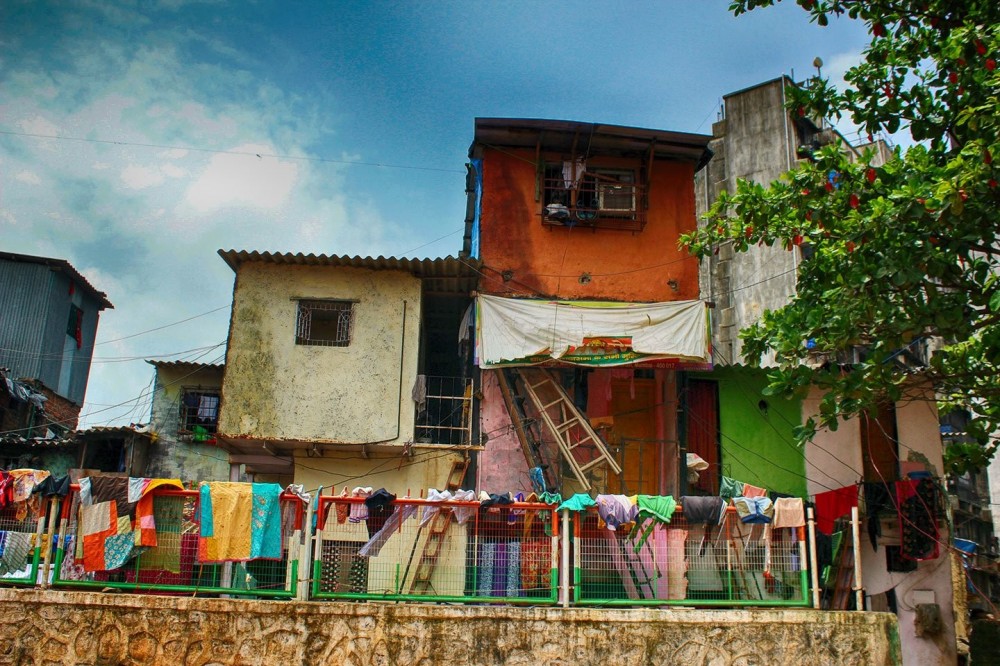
(243, 180)
(29, 177)
(140, 177)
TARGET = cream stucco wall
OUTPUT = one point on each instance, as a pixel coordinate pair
(277, 390)
(413, 475)
(834, 460)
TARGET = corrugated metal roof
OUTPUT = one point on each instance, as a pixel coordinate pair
(63, 265)
(592, 138)
(109, 431)
(185, 364)
(444, 267)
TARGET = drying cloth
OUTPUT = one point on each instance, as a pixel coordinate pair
(359, 511)
(239, 522)
(753, 491)
(537, 479)
(463, 513)
(615, 510)
(578, 502)
(834, 504)
(427, 513)
(677, 563)
(513, 573)
(17, 549)
(656, 507)
(550, 498)
(487, 500)
(487, 555)
(918, 502)
(754, 510)
(729, 488)
(22, 486)
(789, 512)
(168, 512)
(395, 521)
(879, 501)
(703, 510)
(379, 506)
(536, 564)
(53, 487)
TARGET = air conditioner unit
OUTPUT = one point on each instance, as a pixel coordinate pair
(616, 197)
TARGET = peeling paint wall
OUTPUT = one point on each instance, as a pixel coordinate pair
(91, 628)
(175, 456)
(502, 466)
(275, 389)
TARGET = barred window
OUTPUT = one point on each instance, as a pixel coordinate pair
(199, 409)
(324, 323)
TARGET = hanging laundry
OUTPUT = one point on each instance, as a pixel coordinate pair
(550, 498)
(239, 521)
(578, 502)
(22, 487)
(489, 500)
(52, 486)
(463, 513)
(16, 548)
(879, 501)
(706, 510)
(754, 510)
(729, 488)
(427, 513)
(359, 511)
(918, 508)
(374, 546)
(753, 491)
(832, 505)
(616, 510)
(117, 519)
(379, 506)
(789, 512)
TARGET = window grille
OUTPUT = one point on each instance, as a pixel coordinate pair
(199, 409)
(324, 323)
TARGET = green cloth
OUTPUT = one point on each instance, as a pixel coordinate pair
(652, 509)
(730, 488)
(551, 498)
(656, 506)
(578, 502)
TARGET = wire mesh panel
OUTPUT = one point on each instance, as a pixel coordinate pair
(679, 563)
(178, 560)
(20, 542)
(441, 551)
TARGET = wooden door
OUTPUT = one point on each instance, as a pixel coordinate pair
(633, 407)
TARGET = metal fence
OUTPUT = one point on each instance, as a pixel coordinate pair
(420, 550)
(678, 563)
(178, 562)
(444, 412)
(22, 541)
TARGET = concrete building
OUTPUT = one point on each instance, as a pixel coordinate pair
(346, 370)
(47, 334)
(583, 215)
(758, 139)
(184, 417)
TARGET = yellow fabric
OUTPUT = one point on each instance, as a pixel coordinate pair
(156, 483)
(232, 512)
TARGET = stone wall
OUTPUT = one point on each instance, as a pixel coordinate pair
(45, 627)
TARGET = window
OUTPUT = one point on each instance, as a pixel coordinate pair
(577, 193)
(74, 325)
(324, 323)
(199, 411)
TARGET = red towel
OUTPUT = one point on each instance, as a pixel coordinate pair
(834, 504)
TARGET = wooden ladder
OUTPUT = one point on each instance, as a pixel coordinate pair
(568, 426)
(438, 527)
(527, 429)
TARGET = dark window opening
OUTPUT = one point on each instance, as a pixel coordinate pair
(199, 410)
(324, 323)
(881, 449)
(74, 325)
(577, 194)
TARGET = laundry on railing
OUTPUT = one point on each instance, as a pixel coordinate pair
(239, 522)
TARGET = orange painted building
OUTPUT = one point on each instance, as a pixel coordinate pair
(574, 211)
(586, 211)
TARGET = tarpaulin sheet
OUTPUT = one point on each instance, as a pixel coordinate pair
(512, 331)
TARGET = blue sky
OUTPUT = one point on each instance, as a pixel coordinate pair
(186, 126)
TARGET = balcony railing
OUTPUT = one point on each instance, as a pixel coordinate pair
(444, 416)
(595, 202)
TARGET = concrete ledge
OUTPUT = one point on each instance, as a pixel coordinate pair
(48, 627)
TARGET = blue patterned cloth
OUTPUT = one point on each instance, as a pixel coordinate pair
(265, 527)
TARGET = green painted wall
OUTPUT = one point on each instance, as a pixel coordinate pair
(758, 448)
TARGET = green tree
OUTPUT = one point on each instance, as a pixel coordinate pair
(900, 253)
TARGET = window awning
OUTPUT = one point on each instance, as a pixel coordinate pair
(519, 332)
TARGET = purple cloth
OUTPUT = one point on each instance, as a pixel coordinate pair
(615, 510)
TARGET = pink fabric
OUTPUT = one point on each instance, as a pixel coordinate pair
(753, 491)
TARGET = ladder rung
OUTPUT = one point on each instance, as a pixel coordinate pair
(551, 404)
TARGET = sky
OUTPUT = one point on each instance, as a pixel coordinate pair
(138, 138)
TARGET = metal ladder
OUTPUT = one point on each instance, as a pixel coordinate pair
(568, 426)
(438, 527)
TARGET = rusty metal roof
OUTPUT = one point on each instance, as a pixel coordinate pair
(66, 267)
(185, 365)
(565, 136)
(444, 267)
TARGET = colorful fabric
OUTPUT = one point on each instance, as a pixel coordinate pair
(615, 510)
(17, 550)
(789, 512)
(730, 488)
(753, 491)
(754, 510)
(578, 502)
(239, 522)
(834, 504)
(550, 498)
(22, 487)
(656, 507)
(536, 564)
